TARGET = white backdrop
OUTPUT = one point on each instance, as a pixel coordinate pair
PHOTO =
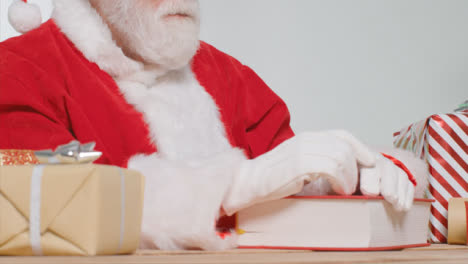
(368, 66)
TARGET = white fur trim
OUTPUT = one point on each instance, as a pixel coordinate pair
(184, 120)
(24, 17)
(182, 201)
(80, 22)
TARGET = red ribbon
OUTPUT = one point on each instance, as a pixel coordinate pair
(402, 166)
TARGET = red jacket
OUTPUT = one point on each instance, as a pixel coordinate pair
(51, 94)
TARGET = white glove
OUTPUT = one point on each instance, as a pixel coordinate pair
(333, 155)
(390, 181)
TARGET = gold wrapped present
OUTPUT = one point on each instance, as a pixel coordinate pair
(458, 221)
(74, 209)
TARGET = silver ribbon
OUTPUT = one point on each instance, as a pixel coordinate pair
(71, 153)
(35, 210)
(122, 209)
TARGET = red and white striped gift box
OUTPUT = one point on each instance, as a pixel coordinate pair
(442, 140)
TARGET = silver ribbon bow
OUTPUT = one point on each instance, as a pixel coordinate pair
(71, 153)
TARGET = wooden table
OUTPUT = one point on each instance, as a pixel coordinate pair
(434, 254)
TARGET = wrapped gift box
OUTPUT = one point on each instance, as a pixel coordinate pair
(442, 140)
(458, 221)
(74, 209)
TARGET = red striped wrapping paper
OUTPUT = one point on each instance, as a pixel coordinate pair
(442, 140)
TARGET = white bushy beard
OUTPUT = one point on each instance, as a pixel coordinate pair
(143, 32)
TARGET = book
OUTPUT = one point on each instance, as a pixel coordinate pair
(348, 223)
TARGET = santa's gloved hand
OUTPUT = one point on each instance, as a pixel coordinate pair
(390, 181)
(334, 155)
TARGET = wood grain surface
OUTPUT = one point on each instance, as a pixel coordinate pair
(434, 254)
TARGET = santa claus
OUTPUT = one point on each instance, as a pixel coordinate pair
(204, 129)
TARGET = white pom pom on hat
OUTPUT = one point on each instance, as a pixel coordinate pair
(24, 16)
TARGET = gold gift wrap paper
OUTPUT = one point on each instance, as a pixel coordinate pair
(82, 209)
(457, 221)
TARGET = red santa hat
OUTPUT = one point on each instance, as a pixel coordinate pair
(24, 16)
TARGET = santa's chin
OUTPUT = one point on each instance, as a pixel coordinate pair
(175, 46)
(169, 43)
